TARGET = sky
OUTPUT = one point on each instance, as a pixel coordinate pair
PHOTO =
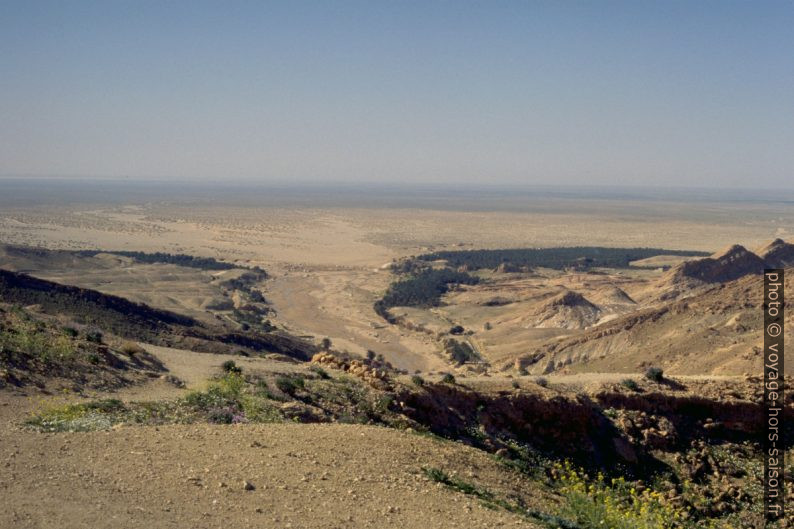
(641, 93)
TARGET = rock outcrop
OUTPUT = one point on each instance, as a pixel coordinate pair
(778, 254)
(732, 263)
(377, 378)
(568, 310)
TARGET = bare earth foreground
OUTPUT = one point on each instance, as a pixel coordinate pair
(303, 475)
(192, 476)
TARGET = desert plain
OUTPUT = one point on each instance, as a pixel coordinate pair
(549, 353)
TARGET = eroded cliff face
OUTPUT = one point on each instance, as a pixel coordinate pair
(612, 424)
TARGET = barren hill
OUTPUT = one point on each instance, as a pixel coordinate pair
(732, 263)
(778, 254)
(568, 310)
(139, 321)
(717, 331)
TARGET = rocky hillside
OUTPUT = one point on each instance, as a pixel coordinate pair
(232, 451)
(732, 263)
(777, 254)
(138, 321)
(727, 265)
(716, 332)
(567, 310)
(43, 352)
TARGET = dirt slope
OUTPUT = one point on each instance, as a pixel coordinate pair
(312, 476)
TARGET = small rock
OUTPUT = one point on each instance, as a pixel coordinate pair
(247, 485)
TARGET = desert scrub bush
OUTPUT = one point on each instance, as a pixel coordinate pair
(448, 378)
(439, 476)
(225, 391)
(289, 384)
(131, 349)
(525, 460)
(417, 380)
(82, 417)
(32, 339)
(654, 373)
(542, 382)
(262, 390)
(94, 336)
(320, 372)
(230, 400)
(493, 501)
(457, 329)
(515, 384)
(229, 366)
(71, 332)
(617, 504)
(630, 384)
(226, 415)
(256, 409)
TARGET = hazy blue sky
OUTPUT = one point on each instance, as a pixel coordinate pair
(682, 93)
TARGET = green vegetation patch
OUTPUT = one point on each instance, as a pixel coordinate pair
(595, 503)
(424, 289)
(83, 417)
(556, 258)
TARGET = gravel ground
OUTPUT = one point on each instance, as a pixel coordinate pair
(321, 476)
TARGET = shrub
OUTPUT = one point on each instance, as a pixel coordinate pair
(630, 384)
(516, 385)
(94, 336)
(654, 373)
(70, 332)
(460, 352)
(229, 366)
(542, 381)
(226, 415)
(289, 384)
(320, 372)
(457, 329)
(262, 390)
(226, 391)
(448, 378)
(83, 417)
(596, 503)
(131, 348)
(419, 381)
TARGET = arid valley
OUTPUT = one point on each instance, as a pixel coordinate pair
(396, 265)
(546, 332)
